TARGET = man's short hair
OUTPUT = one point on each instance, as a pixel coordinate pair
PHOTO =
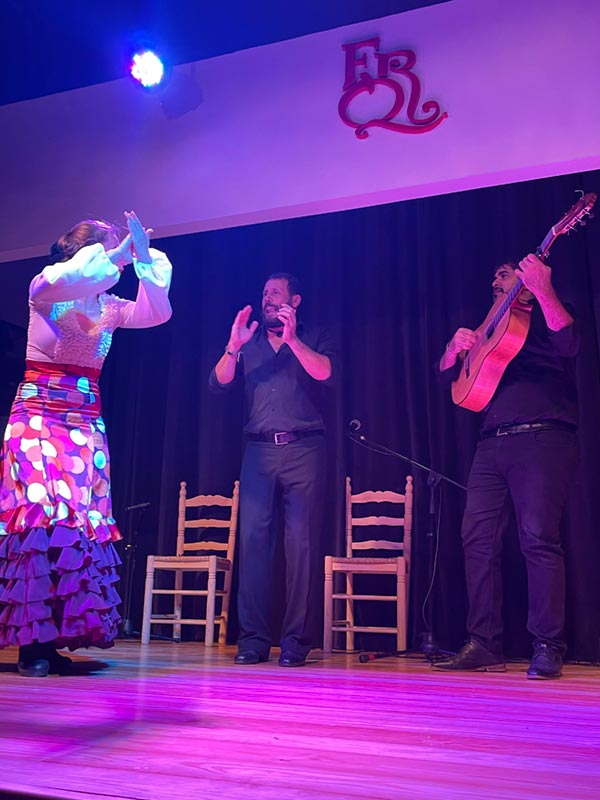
(507, 262)
(292, 281)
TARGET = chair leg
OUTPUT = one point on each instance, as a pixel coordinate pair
(401, 606)
(178, 602)
(225, 607)
(328, 606)
(210, 602)
(350, 612)
(149, 586)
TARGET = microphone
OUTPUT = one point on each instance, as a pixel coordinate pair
(364, 658)
(355, 425)
(137, 506)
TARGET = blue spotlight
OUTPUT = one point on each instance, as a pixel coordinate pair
(147, 68)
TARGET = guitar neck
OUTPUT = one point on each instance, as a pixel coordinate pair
(506, 304)
(545, 246)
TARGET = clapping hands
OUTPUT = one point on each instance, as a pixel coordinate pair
(135, 245)
(139, 236)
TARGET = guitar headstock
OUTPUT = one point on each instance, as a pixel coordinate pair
(575, 214)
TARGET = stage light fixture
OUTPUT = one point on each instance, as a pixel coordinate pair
(147, 69)
(182, 95)
(175, 88)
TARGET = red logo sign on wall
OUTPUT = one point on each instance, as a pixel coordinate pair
(394, 71)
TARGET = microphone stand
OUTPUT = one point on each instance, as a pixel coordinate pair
(428, 646)
(130, 550)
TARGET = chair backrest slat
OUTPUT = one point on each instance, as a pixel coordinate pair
(208, 500)
(207, 523)
(364, 522)
(188, 547)
(377, 544)
(377, 497)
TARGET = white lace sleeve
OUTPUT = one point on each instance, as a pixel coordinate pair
(151, 306)
(89, 272)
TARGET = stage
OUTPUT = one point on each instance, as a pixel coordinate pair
(180, 721)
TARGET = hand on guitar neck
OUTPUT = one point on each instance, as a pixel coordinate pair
(536, 276)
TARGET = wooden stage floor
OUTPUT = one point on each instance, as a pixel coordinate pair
(180, 721)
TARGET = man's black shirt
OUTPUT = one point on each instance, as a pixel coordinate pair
(280, 394)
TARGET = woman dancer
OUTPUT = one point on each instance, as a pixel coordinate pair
(57, 559)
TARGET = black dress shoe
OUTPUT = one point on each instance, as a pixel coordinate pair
(249, 657)
(34, 660)
(291, 659)
(473, 657)
(34, 669)
(546, 662)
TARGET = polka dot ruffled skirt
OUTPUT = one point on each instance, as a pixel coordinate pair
(58, 564)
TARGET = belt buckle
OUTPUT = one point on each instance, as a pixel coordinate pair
(276, 438)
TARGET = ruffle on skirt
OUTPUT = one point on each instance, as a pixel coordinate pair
(58, 585)
(26, 516)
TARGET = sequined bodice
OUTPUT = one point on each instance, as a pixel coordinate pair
(81, 338)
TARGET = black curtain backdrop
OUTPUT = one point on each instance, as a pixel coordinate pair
(393, 282)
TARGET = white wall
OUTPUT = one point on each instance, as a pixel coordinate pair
(518, 78)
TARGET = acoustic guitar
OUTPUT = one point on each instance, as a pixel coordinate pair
(503, 332)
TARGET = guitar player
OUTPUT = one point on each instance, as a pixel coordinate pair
(527, 454)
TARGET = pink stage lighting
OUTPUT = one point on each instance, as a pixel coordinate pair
(147, 68)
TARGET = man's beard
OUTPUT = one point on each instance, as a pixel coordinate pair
(272, 322)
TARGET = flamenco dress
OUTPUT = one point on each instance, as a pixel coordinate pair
(58, 563)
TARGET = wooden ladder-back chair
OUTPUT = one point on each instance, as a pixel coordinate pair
(351, 564)
(188, 560)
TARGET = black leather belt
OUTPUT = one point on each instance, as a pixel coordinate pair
(282, 437)
(528, 427)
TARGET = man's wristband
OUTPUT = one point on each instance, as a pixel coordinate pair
(229, 352)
